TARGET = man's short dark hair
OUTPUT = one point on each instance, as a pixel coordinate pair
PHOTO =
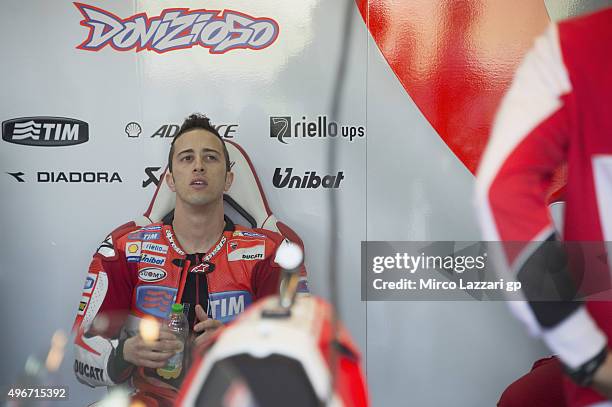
(198, 121)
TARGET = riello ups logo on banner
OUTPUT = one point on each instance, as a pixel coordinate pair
(284, 128)
(219, 31)
(45, 131)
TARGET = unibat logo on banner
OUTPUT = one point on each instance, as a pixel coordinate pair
(177, 28)
(310, 180)
(45, 131)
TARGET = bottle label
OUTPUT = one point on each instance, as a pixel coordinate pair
(173, 367)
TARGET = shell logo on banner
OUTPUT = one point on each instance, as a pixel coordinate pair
(176, 28)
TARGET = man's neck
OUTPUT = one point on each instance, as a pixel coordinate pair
(198, 228)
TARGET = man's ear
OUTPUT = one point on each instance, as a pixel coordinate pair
(229, 178)
(170, 181)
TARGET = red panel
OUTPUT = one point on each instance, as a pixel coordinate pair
(455, 59)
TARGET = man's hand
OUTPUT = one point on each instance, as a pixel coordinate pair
(206, 325)
(602, 381)
(151, 354)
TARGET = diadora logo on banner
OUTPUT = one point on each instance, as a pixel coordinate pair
(245, 250)
(74, 176)
(17, 175)
(151, 274)
(155, 300)
(177, 28)
(133, 130)
(284, 129)
(88, 177)
(225, 306)
(309, 180)
(45, 131)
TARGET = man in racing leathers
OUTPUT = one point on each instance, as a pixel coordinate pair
(558, 111)
(196, 256)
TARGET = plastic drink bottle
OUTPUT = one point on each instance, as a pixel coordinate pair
(178, 325)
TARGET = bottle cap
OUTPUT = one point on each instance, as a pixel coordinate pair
(177, 308)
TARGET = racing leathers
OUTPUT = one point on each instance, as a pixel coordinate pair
(557, 112)
(139, 272)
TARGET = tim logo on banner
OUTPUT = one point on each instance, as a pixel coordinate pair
(45, 131)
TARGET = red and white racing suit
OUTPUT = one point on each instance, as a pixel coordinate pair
(557, 111)
(140, 272)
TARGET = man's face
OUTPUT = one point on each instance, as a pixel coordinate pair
(198, 168)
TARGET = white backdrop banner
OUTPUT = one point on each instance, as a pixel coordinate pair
(93, 94)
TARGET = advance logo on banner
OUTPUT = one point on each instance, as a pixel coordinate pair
(45, 131)
(176, 28)
(134, 129)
